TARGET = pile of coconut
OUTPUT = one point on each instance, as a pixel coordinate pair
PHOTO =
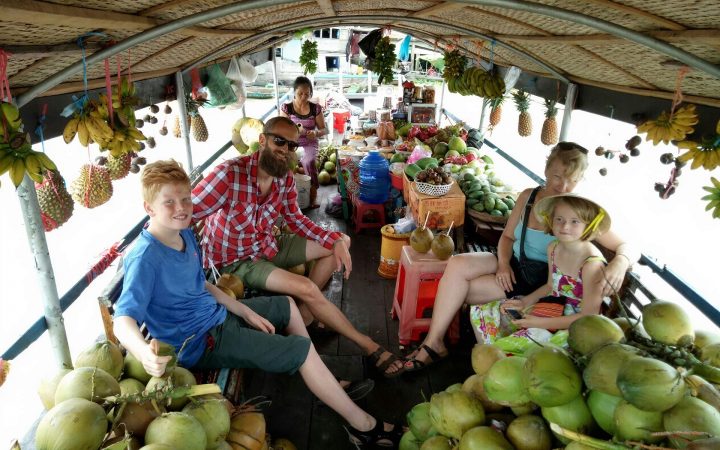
(618, 385)
(109, 402)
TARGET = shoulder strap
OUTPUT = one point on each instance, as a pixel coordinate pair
(528, 211)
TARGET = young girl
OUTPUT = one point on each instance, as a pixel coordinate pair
(573, 288)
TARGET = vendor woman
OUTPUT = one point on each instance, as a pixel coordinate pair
(308, 117)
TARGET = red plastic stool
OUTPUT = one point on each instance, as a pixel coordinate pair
(415, 289)
(362, 210)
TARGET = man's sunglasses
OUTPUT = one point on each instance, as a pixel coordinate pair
(564, 146)
(281, 141)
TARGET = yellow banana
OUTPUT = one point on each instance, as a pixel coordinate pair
(17, 171)
(36, 177)
(32, 163)
(12, 115)
(717, 127)
(83, 133)
(45, 161)
(6, 162)
(134, 133)
(698, 159)
(70, 130)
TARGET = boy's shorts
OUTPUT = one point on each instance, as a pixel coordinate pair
(235, 344)
(255, 273)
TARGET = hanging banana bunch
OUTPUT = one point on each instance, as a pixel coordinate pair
(16, 154)
(89, 124)
(670, 127)
(705, 153)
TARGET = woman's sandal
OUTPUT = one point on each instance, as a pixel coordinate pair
(390, 360)
(377, 436)
(413, 365)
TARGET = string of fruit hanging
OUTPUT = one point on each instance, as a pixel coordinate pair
(549, 134)
(384, 60)
(197, 123)
(522, 102)
(309, 56)
(455, 63)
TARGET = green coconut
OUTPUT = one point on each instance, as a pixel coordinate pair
(503, 382)
(711, 354)
(133, 368)
(90, 383)
(529, 433)
(453, 413)
(408, 441)
(136, 416)
(105, 355)
(454, 387)
(418, 419)
(436, 443)
(650, 384)
(631, 324)
(475, 387)
(633, 423)
(601, 372)
(524, 409)
(668, 323)
(588, 333)
(483, 356)
(703, 338)
(177, 430)
(550, 377)
(157, 447)
(484, 438)
(131, 386)
(48, 386)
(691, 414)
(179, 377)
(578, 446)
(574, 416)
(602, 407)
(214, 418)
(74, 424)
(704, 444)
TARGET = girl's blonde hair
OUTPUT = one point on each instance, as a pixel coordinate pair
(159, 173)
(572, 156)
(586, 210)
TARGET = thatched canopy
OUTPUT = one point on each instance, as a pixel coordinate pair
(632, 47)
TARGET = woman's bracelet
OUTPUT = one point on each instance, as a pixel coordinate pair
(626, 257)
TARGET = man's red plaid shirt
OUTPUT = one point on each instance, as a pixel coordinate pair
(237, 227)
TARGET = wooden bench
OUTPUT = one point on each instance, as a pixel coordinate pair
(229, 380)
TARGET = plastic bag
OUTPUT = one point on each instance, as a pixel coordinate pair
(221, 91)
(233, 72)
(418, 153)
(239, 88)
(248, 73)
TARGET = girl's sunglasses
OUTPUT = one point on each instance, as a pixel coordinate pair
(564, 146)
(281, 141)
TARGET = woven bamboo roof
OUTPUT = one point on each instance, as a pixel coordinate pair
(567, 39)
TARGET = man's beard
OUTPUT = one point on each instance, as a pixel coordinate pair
(274, 166)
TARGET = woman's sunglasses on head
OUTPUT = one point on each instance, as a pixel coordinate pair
(564, 146)
(281, 141)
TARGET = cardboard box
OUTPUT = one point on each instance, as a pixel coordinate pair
(443, 210)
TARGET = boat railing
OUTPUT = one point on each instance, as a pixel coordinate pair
(661, 270)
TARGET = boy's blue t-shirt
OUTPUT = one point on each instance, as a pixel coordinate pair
(165, 288)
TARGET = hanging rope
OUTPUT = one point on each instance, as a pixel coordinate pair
(4, 83)
(677, 96)
(106, 259)
(492, 54)
(41, 125)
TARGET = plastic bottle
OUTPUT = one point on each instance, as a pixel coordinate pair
(374, 178)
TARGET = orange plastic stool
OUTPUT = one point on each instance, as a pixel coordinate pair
(362, 211)
(415, 289)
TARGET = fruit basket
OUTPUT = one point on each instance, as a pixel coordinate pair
(485, 217)
(435, 190)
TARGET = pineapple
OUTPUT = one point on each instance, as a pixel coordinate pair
(549, 134)
(496, 110)
(199, 129)
(522, 102)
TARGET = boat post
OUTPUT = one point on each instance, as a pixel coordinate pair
(483, 114)
(570, 97)
(182, 110)
(43, 267)
(275, 80)
(440, 106)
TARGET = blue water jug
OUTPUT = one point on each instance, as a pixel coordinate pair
(374, 178)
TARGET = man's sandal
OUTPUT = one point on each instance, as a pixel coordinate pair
(375, 357)
(376, 437)
(413, 364)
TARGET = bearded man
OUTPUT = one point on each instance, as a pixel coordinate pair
(241, 200)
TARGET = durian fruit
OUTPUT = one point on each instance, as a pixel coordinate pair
(199, 129)
(56, 204)
(522, 102)
(118, 166)
(549, 135)
(93, 187)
